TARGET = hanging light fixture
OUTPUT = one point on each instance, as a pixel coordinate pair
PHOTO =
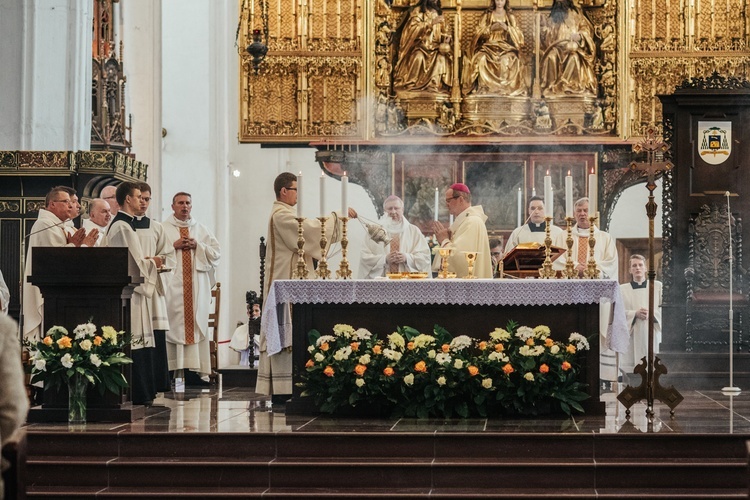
(259, 48)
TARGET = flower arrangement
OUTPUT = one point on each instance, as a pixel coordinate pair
(516, 370)
(60, 356)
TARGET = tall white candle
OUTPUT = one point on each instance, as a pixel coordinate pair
(520, 208)
(548, 199)
(322, 194)
(299, 194)
(451, 220)
(568, 195)
(533, 191)
(437, 202)
(593, 207)
(344, 190)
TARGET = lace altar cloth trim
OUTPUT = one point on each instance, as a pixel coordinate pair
(278, 329)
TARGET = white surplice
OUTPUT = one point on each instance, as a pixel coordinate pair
(633, 300)
(412, 244)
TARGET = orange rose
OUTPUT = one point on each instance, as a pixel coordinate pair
(420, 367)
(64, 343)
(571, 349)
(376, 349)
(544, 369)
(410, 346)
(388, 371)
(354, 346)
(483, 345)
(549, 342)
(445, 348)
(529, 341)
(324, 346)
(508, 369)
(47, 341)
(98, 340)
(328, 371)
(360, 370)
(310, 363)
(473, 370)
(565, 366)
(499, 347)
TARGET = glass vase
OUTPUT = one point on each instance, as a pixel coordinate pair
(77, 387)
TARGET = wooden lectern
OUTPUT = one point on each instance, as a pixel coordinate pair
(525, 260)
(78, 285)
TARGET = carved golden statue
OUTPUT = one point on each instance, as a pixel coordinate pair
(424, 52)
(567, 66)
(494, 65)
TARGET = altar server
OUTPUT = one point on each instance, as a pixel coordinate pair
(121, 233)
(468, 233)
(197, 254)
(535, 230)
(275, 372)
(635, 300)
(406, 252)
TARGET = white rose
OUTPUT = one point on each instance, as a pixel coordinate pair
(86, 345)
(487, 383)
(319, 357)
(67, 361)
(40, 365)
(409, 379)
(458, 364)
(441, 380)
(359, 382)
(529, 376)
(95, 360)
(554, 349)
(364, 360)
(431, 354)
(310, 348)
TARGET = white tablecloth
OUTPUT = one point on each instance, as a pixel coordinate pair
(433, 291)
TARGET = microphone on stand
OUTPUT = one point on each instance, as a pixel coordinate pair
(731, 388)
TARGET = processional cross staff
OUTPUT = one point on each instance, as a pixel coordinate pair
(651, 368)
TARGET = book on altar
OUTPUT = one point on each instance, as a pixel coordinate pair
(529, 257)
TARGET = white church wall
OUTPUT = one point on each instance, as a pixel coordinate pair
(629, 218)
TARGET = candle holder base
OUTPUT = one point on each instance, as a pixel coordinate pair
(322, 271)
(546, 271)
(591, 272)
(344, 272)
(570, 267)
(300, 271)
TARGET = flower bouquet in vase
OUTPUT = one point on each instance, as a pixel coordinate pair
(85, 357)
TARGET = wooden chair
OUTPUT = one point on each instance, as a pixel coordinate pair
(14, 451)
(213, 325)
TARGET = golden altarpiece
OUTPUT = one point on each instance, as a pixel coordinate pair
(409, 95)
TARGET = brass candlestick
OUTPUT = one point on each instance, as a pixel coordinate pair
(471, 258)
(591, 271)
(570, 267)
(344, 272)
(300, 272)
(546, 270)
(444, 254)
(322, 271)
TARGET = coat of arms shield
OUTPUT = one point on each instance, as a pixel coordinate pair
(714, 141)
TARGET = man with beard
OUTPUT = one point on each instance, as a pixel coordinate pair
(406, 252)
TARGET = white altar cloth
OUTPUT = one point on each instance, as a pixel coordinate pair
(529, 292)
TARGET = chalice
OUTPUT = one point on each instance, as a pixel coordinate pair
(471, 258)
(444, 254)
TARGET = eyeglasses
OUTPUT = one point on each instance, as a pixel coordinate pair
(69, 202)
(291, 189)
(496, 254)
(109, 198)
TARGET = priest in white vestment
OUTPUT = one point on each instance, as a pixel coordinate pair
(122, 233)
(635, 300)
(4, 295)
(99, 218)
(605, 250)
(48, 231)
(406, 252)
(197, 254)
(468, 233)
(535, 231)
(275, 372)
(154, 242)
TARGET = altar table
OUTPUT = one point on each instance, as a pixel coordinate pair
(463, 307)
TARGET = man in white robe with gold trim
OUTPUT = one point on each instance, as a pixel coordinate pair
(406, 252)
(467, 234)
(275, 371)
(195, 246)
(635, 300)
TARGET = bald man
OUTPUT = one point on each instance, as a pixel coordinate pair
(108, 195)
(99, 218)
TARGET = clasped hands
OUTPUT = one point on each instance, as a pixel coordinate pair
(395, 258)
(441, 232)
(80, 238)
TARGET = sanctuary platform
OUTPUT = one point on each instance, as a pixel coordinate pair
(231, 444)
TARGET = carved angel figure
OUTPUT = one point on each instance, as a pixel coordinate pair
(569, 52)
(424, 52)
(494, 65)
